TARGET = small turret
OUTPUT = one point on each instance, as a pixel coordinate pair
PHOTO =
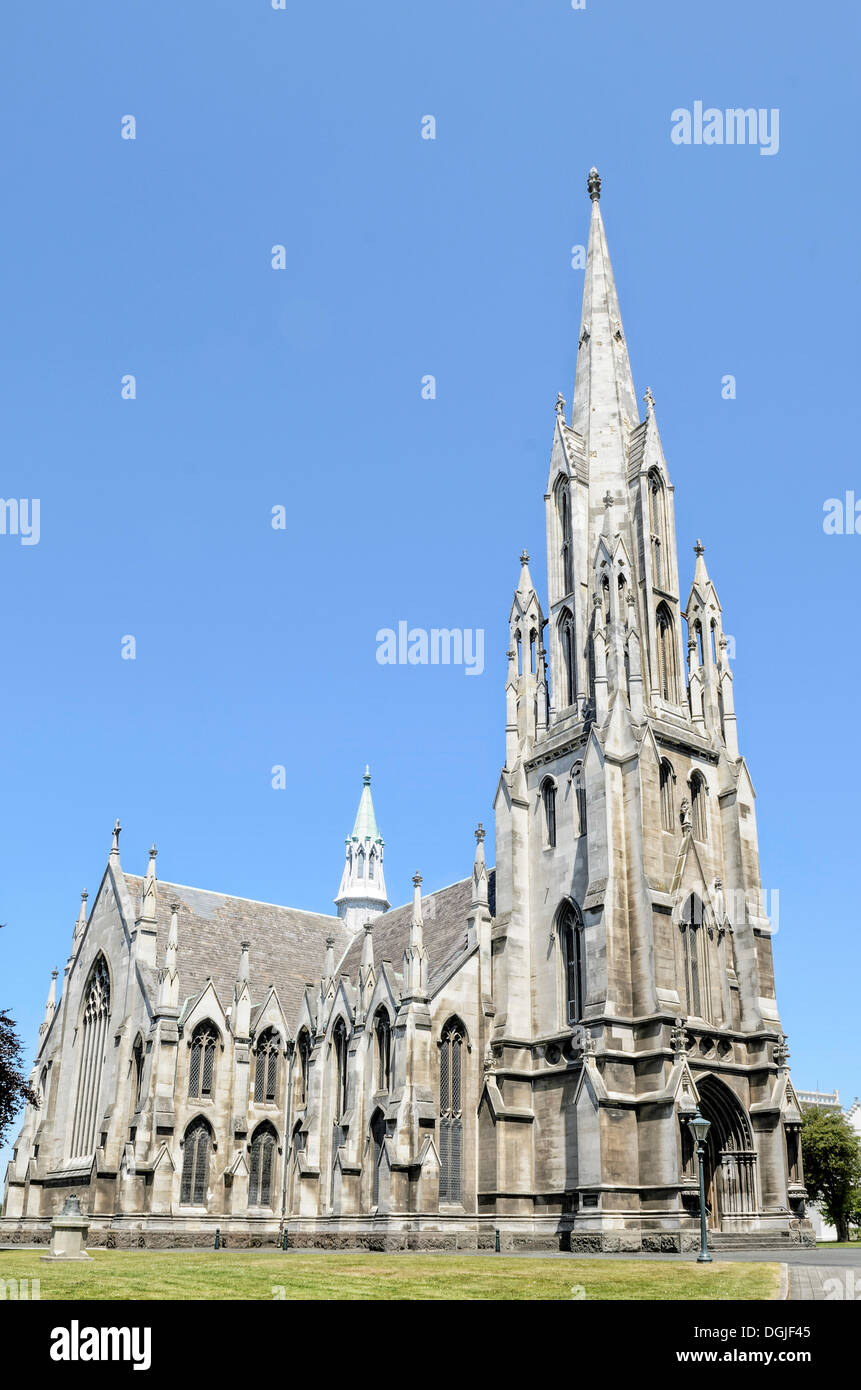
(362, 894)
(416, 956)
(168, 979)
(51, 1004)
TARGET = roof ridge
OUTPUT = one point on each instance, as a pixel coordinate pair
(237, 897)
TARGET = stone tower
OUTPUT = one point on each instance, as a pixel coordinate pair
(632, 952)
(362, 894)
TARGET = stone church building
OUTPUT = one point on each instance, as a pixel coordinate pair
(519, 1052)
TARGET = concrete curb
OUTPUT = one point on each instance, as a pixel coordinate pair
(783, 1291)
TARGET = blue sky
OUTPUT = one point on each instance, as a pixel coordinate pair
(301, 388)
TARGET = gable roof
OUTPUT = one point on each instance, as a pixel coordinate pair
(444, 915)
(288, 945)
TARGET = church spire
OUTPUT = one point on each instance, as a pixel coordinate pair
(362, 894)
(605, 405)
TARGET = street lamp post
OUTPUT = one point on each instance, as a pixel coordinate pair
(700, 1128)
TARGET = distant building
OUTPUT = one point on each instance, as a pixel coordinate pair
(828, 1100)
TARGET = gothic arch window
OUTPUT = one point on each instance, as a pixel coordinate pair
(563, 503)
(566, 639)
(698, 634)
(548, 802)
(195, 1163)
(266, 1052)
(383, 1038)
(303, 1048)
(579, 799)
(605, 597)
(573, 962)
(519, 644)
(451, 1047)
(657, 519)
(360, 873)
(92, 1037)
(137, 1071)
(668, 686)
(668, 778)
(201, 1070)
(339, 1049)
(372, 863)
(699, 813)
(694, 957)
(378, 1135)
(713, 640)
(261, 1169)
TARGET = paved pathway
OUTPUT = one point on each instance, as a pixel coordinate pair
(822, 1282)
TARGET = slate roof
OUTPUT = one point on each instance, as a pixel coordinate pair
(444, 916)
(288, 946)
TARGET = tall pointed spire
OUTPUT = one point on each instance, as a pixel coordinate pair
(605, 405)
(362, 894)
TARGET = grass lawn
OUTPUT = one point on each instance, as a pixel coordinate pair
(261, 1274)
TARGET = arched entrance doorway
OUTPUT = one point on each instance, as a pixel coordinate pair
(730, 1158)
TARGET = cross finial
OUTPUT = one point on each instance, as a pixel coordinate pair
(367, 777)
(699, 548)
(608, 499)
(593, 184)
(649, 398)
(479, 834)
(524, 557)
(417, 878)
(153, 852)
(560, 403)
(115, 847)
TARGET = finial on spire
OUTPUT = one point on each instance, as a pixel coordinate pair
(115, 846)
(649, 399)
(367, 777)
(593, 184)
(608, 500)
(560, 403)
(524, 557)
(480, 832)
(699, 548)
(153, 852)
(417, 879)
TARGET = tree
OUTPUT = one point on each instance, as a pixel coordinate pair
(13, 1083)
(832, 1165)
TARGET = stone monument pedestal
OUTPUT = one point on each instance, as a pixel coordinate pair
(69, 1234)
